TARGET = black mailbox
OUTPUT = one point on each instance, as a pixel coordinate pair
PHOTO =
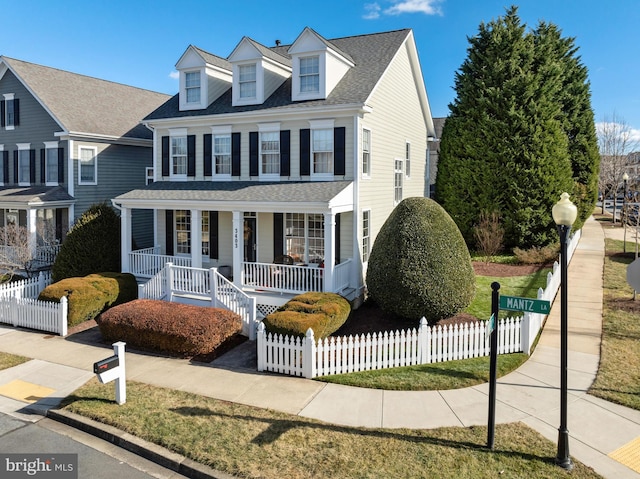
(106, 364)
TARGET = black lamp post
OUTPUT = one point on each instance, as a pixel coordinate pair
(564, 213)
(625, 180)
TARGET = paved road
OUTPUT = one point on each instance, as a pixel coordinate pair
(97, 459)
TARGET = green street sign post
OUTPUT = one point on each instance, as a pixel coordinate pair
(528, 305)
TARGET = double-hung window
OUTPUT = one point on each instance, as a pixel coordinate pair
(222, 154)
(183, 232)
(304, 237)
(366, 235)
(24, 164)
(310, 74)
(366, 152)
(179, 156)
(247, 81)
(192, 86)
(88, 166)
(397, 181)
(51, 166)
(322, 151)
(205, 233)
(9, 114)
(270, 153)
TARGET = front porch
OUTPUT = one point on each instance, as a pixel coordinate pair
(282, 279)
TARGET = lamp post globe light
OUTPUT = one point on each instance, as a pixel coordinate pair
(564, 214)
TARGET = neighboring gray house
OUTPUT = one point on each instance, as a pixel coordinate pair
(294, 155)
(68, 141)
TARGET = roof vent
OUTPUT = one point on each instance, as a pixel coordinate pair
(278, 42)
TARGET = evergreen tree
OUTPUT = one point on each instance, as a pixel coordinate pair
(508, 144)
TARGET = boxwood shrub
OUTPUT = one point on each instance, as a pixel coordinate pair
(171, 328)
(90, 295)
(324, 313)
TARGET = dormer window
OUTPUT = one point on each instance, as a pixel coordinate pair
(192, 86)
(247, 81)
(310, 74)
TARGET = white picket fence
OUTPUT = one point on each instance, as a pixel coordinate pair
(309, 358)
(389, 349)
(19, 306)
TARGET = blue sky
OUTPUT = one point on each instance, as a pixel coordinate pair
(138, 42)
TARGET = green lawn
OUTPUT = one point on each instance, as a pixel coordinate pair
(9, 360)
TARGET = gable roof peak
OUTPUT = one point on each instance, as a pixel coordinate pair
(263, 51)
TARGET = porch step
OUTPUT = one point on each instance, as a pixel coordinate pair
(193, 299)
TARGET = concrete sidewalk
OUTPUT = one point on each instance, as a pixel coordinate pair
(531, 394)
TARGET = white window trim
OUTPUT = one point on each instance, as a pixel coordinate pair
(188, 231)
(267, 128)
(321, 125)
(149, 175)
(8, 97)
(300, 75)
(50, 145)
(367, 237)
(2, 178)
(366, 174)
(176, 133)
(398, 161)
(184, 105)
(95, 165)
(24, 147)
(220, 130)
(296, 94)
(235, 92)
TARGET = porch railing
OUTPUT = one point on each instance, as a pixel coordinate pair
(294, 279)
(145, 263)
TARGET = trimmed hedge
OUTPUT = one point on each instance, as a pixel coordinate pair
(419, 264)
(324, 313)
(172, 328)
(91, 295)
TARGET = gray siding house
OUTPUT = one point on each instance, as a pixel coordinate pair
(68, 141)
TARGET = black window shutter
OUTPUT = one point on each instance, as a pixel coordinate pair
(207, 153)
(169, 231)
(16, 112)
(32, 166)
(191, 155)
(305, 152)
(5, 166)
(165, 156)
(278, 234)
(43, 166)
(253, 154)
(59, 226)
(15, 166)
(337, 237)
(285, 153)
(339, 151)
(2, 113)
(213, 235)
(61, 165)
(235, 154)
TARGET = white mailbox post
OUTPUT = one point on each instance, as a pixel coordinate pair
(113, 368)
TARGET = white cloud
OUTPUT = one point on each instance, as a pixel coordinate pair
(174, 74)
(428, 7)
(372, 11)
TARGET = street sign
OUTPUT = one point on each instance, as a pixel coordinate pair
(528, 305)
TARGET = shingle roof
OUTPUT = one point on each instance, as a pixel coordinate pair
(88, 105)
(34, 195)
(250, 191)
(277, 56)
(371, 54)
(212, 59)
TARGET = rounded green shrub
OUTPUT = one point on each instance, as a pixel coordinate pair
(92, 244)
(419, 264)
(125, 284)
(324, 313)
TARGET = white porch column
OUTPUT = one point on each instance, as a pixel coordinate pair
(329, 250)
(238, 248)
(32, 227)
(125, 238)
(196, 238)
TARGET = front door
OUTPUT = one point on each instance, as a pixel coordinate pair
(250, 239)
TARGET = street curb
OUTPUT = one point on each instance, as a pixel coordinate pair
(154, 453)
